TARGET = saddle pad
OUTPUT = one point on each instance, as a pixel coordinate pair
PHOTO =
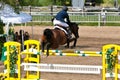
(61, 29)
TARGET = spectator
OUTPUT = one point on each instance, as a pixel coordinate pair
(16, 37)
(26, 36)
(103, 15)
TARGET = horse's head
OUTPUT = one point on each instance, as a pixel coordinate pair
(46, 39)
(74, 29)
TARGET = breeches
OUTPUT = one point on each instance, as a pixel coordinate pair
(60, 23)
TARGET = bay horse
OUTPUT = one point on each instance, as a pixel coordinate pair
(52, 38)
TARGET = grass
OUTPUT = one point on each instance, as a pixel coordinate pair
(96, 24)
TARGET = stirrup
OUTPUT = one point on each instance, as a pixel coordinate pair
(68, 30)
(69, 36)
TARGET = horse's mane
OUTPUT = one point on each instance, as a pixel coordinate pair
(48, 33)
(73, 23)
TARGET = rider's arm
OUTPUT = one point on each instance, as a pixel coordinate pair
(67, 17)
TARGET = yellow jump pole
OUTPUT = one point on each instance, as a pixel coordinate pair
(72, 54)
(74, 51)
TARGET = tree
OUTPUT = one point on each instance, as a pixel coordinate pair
(14, 3)
(10, 2)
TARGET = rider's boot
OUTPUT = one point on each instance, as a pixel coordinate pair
(69, 33)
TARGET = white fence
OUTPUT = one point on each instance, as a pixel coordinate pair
(79, 17)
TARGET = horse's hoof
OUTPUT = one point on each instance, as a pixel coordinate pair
(72, 47)
(66, 46)
(47, 54)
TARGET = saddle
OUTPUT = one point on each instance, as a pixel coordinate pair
(66, 30)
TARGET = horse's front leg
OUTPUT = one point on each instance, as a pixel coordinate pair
(42, 46)
(48, 47)
(74, 44)
(68, 44)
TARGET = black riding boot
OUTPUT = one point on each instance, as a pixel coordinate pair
(69, 33)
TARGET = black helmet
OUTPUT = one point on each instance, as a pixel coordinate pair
(65, 8)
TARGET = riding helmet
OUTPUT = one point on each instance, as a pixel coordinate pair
(65, 8)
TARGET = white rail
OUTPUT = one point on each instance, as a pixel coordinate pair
(79, 17)
(112, 75)
(64, 68)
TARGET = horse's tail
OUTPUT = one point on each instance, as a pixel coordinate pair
(48, 33)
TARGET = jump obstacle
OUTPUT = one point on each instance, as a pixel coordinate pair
(12, 57)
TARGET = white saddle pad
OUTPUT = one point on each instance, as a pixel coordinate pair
(61, 29)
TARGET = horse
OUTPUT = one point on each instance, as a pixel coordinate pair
(53, 38)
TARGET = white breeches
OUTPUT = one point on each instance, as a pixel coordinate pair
(60, 23)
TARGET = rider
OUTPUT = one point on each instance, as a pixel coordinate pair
(62, 19)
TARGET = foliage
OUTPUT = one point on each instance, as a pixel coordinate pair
(37, 2)
(29, 2)
(11, 2)
(109, 3)
(62, 2)
(111, 60)
(14, 3)
(99, 1)
(44, 2)
(53, 2)
(13, 60)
